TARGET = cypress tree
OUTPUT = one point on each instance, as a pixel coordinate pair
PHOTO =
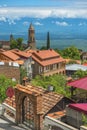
(48, 40)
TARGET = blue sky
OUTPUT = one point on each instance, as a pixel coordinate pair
(44, 3)
(36, 2)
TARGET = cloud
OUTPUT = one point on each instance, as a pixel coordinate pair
(38, 23)
(82, 24)
(25, 23)
(11, 21)
(61, 23)
(34, 12)
(2, 19)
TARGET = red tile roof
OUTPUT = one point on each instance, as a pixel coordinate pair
(10, 55)
(80, 83)
(45, 54)
(21, 53)
(82, 107)
(85, 64)
(57, 114)
(47, 57)
(50, 99)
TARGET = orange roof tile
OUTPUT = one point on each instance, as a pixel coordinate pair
(50, 99)
(10, 55)
(85, 64)
(20, 62)
(21, 53)
(45, 54)
(49, 61)
(58, 114)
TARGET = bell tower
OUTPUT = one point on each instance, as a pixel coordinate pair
(31, 37)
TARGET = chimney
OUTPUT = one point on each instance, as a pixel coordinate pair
(50, 88)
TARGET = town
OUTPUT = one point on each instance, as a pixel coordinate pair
(43, 89)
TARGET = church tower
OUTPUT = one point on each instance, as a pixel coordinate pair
(31, 37)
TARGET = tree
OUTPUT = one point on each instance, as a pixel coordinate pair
(48, 41)
(16, 44)
(72, 53)
(4, 84)
(57, 81)
(79, 74)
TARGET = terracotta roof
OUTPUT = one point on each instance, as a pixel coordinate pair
(85, 64)
(1, 50)
(47, 57)
(50, 99)
(20, 62)
(45, 54)
(80, 83)
(82, 107)
(10, 55)
(77, 61)
(10, 101)
(21, 53)
(57, 114)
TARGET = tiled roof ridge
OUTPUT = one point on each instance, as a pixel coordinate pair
(10, 55)
(38, 54)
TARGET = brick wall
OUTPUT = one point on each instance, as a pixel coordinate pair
(10, 70)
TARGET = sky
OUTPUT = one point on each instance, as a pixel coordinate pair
(15, 9)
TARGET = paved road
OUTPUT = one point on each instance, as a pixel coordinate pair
(6, 124)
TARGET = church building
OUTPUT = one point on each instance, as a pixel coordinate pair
(31, 38)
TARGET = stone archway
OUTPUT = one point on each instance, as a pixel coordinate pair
(27, 113)
(29, 108)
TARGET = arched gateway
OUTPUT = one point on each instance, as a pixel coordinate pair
(28, 107)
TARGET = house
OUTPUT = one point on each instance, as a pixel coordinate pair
(84, 56)
(81, 86)
(5, 44)
(47, 62)
(76, 113)
(10, 70)
(72, 68)
(27, 59)
(21, 57)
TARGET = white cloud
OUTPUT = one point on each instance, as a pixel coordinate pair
(25, 23)
(61, 23)
(18, 12)
(3, 19)
(11, 21)
(38, 23)
(82, 24)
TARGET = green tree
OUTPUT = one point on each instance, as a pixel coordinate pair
(4, 84)
(72, 53)
(48, 40)
(17, 44)
(23, 73)
(79, 74)
(57, 81)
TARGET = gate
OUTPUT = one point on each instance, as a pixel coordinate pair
(27, 113)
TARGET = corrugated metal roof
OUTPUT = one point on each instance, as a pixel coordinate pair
(75, 67)
(80, 83)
